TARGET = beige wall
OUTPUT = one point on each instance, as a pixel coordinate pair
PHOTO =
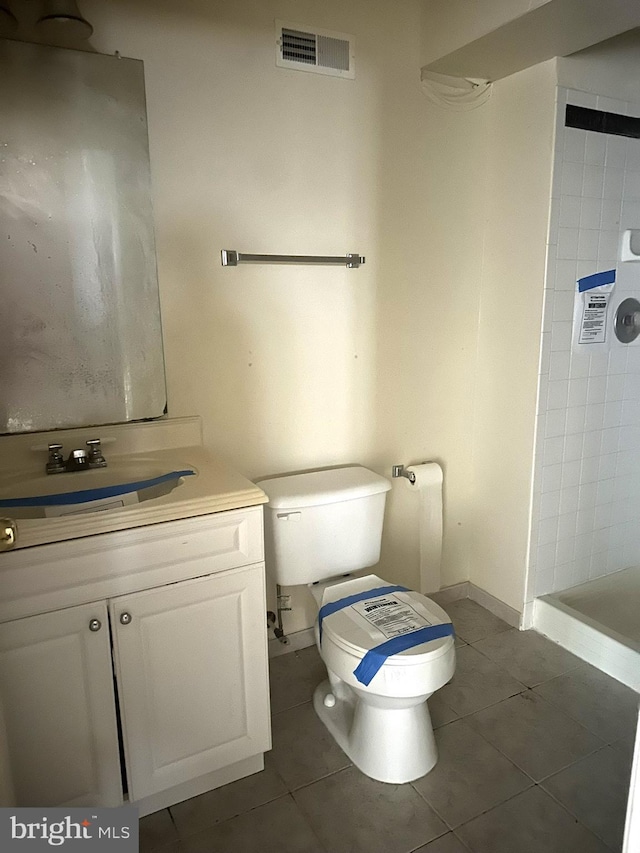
(493, 39)
(300, 367)
(450, 24)
(610, 68)
(520, 145)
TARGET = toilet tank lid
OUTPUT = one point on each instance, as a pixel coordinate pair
(314, 488)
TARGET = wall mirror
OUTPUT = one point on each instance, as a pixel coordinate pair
(80, 334)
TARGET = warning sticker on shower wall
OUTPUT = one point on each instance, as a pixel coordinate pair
(389, 615)
(593, 294)
(593, 325)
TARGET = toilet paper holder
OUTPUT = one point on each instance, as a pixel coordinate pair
(400, 471)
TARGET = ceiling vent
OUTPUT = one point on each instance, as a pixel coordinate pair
(311, 49)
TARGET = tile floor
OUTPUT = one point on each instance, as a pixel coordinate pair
(535, 756)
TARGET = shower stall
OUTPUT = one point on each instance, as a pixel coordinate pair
(583, 583)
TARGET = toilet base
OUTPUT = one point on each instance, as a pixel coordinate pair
(393, 745)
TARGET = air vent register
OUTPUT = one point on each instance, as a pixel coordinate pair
(310, 49)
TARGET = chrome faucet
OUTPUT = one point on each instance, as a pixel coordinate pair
(78, 460)
(95, 458)
(55, 463)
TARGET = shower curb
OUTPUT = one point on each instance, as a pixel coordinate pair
(586, 639)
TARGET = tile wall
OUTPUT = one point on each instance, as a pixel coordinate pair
(586, 501)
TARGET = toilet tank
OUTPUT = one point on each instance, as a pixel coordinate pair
(323, 523)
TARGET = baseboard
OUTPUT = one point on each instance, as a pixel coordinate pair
(448, 594)
(296, 640)
(503, 611)
(466, 589)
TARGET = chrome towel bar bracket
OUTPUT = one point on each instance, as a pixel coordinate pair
(231, 258)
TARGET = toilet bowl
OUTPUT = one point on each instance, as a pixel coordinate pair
(387, 649)
(384, 726)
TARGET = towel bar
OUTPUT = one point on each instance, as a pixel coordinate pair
(231, 258)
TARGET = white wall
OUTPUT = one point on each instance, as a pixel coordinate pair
(294, 368)
(520, 149)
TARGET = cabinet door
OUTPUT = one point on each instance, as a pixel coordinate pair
(191, 660)
(57, 697)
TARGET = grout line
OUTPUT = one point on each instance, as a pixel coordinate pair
(565, 767)
(216, 823)
(577, 819)
(297, 788)
(544, 791)
(488, 637)
(432, 807)
(509, 759)
(461, 842)
(291, 707)
(573, 763)
(485, 707)
(435, 838)
(569, 717)
(309, 824)
(549, 699)
(162, 845)
(528, 686)
(497, 806)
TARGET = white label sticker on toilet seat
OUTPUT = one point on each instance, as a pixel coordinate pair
(389, 615)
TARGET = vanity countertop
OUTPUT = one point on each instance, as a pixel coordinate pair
(174, 444)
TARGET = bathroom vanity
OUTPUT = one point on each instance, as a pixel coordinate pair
(133, 650)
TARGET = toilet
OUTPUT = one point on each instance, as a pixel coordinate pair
(387, 649)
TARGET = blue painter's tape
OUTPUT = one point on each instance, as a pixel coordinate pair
(86, 495)
(341, 603)
(374, 658)
(596, 280)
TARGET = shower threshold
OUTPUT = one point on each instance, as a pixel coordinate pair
(599, 621)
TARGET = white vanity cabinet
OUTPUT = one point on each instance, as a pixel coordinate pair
(56, 686)
(168, 660)
(190, 670)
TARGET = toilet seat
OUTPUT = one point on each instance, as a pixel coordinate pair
(348, 636)
(343, 632)
(415, 656)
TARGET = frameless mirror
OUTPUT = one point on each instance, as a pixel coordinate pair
(80, 334)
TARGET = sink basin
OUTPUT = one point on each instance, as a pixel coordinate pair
(121, 484)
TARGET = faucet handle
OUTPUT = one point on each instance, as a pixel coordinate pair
(96, 459)
(55, 463)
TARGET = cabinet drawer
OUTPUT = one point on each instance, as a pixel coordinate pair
(50, 577)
